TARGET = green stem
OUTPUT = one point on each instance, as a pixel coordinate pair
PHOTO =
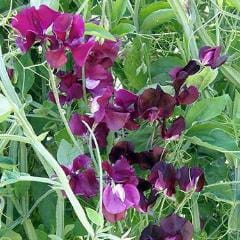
(60, 215)
(60, 110)
(135, 16)
(195, 214)
(29, 229)
(184, 19)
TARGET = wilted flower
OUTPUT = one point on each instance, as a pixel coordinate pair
(211, 56)
(171, 227)
(121, 192)
(175, 130)
(163, 178)
(82, 178)
(190, 179)
(155, 103)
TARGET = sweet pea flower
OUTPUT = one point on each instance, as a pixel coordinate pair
(155, 103)
(190, 179)
(210, 56)
(78, 128)
(82, 178)
(115, 111)
(121, 191)
(175, 130)
(123, 149)
(172, 227)
(163, 178)
(31, 24)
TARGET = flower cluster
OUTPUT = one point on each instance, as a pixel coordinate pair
(62, 36)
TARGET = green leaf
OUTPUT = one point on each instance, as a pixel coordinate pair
(12, 176)
(98, 31)
(160, 69)
(6, 162)
(25, 78)
(203, 79)
(157, 18)
(233, 222)
(149, 8)
(54, 4)
(66, 153)
(95, 217)
(234, 3)
(123, 28)
(135, 65)
(118, 9)
(62, 134)
(206, 109)
(5, 108)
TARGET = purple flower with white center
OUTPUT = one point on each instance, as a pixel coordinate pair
(121, 191)
(155, 103)
(175, 130)
(31, 24)
(163, 178)
(105, 109)
(82, 178)
(172, 227)
(190, 179)
(211, 56)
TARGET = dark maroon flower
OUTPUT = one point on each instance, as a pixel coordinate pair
(151, 232)
(163, 178)
(188, 95)
(154, 104)
(190, 179)
(175, 130)
(179, 75)
(31, 25)
(101, 132)
(62, 98)
(148, 159)
(82, 178)
(172, 227)
(125, 149)
(211, 56)
(10, 72)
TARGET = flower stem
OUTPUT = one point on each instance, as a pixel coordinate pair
(60, 215)
(195, 214)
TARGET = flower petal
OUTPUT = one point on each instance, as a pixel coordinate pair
(56, 58)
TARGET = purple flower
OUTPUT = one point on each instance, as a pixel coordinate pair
(82, 178)
(187, 96)
(175, 130)
(31, 25)
(163, 178)
(121, 191)
(190, 179)
(211, 56)
(179, 75)
(171, 227)
(113, 217)
(118, 198)
(123, 149)
(105, 109)
(154, 104)
(78, 128)
(121, 172)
